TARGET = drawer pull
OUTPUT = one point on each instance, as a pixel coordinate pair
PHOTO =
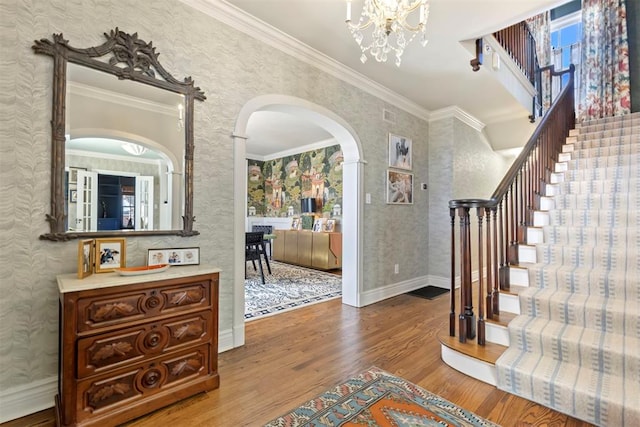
(152, 302)
(151, 378)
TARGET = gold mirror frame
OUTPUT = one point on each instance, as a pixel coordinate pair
(132, 59)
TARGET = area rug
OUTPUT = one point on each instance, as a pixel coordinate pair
(377, 398)
(287, 288)
(428, 292)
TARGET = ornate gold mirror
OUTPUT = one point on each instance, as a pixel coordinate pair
(121, 126)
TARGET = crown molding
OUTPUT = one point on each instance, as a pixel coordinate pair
(260, 30)
(458, 113)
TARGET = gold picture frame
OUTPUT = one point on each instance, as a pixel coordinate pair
(86, 258)
(110, 254)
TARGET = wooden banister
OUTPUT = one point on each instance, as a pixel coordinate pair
(505, 217)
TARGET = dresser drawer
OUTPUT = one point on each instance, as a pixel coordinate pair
(141, 304)
(142, 382)
(106, 351)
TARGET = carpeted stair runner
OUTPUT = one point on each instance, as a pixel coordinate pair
(575, 347)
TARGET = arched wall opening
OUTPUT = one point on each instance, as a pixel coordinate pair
(352, 195)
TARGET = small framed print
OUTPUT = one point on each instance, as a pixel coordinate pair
(295, 223)
(399, 188)
(110, 254)
(73, 174)
(73, 196)
(174, 256)
(330, 226)
(318, 224)
(85, 258)
(400, 152)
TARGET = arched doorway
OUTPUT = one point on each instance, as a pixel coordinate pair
(352, 195)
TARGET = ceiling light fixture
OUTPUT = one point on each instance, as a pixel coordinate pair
(391, 30)
(134, 149)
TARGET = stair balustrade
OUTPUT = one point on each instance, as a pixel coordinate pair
(502, 220)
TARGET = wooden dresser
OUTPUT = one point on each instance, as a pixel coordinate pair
(132, 344)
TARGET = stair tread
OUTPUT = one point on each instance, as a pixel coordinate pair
(489, 353)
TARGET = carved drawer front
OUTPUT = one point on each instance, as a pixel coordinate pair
(119, 308)
(186, 296)
(111, 391)
(97, 353)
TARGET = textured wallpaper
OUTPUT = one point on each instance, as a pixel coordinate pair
(232, 69)
(463, 165)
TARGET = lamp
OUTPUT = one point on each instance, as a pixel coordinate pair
(391, 30)
(308, 205)
(134, 149)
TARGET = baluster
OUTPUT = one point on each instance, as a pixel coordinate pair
(495, 296)
(452, 292)
(481, 336)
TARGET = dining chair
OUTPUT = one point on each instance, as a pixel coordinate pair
(266, 229)
(254, 251)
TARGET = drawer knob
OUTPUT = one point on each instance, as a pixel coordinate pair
(152, 302)
(151, 378)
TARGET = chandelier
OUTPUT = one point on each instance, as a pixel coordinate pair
(391, 30)
(134, 149)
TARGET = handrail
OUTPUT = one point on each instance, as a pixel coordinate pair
(507, 214)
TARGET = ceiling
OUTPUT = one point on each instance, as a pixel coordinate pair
(430, 78)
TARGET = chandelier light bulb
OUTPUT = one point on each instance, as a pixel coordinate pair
(391, 27)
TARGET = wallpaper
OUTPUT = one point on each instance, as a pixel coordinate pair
(232, 69)
(275, 187)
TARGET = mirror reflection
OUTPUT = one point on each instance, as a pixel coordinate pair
(123, 154)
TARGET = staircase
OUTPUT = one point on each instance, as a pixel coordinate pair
(575, 344)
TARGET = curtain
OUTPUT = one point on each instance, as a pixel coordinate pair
(539, 26)
(604, 88)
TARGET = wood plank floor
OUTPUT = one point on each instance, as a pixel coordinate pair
(292, 357)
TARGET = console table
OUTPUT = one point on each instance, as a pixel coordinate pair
(132, 344)
(307, 248)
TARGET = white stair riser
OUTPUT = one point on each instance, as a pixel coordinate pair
(497, 334)
(551, 190)
(509, 303)
(561, 167)
(569, 147)
(540, 219)
(564, 157)
(557, 177)
(535, 235)
(526, 253)
(518, 276)
(547, 203)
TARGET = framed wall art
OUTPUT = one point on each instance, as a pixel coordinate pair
(174, 256)
(110, 254)
(400, 152)
(86, 258)
(399, 187)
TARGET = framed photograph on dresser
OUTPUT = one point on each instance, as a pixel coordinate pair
(86, 258)
(110, 254)
(174, 256)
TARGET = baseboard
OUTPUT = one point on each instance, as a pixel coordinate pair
(379, 294)
(226, 340)
(27, 399)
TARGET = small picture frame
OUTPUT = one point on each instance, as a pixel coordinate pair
(86, 258)
(110, 254)
(399, 188)
(295, 223)
(73, 196)
(174, 256)
(330, 226)
(400, 152)
(318, 225)
(73, 174)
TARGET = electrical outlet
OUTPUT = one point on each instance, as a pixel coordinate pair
(396, 269)
(424, 185)
(367, 198)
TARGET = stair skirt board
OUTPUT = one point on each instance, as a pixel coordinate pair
(475, 368)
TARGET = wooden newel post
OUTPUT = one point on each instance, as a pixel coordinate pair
(467, 327)
(452, 292)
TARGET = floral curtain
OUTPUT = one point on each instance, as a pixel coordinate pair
(604, 88)
(539, 26)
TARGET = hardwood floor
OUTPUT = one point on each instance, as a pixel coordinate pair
(292, 357)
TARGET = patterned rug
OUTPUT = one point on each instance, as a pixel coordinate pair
(377, 398)
(287, 288)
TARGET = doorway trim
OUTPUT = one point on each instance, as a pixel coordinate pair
(352, 177)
